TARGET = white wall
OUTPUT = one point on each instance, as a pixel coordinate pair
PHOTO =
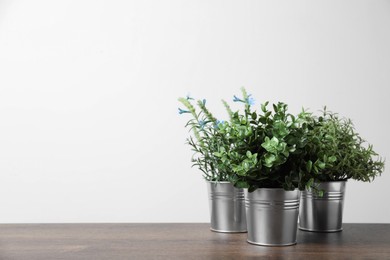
(89, 130)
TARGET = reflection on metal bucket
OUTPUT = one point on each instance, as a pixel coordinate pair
(227, 207)
(272, 216)
(323, 214)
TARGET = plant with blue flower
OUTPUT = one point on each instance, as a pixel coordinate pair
(253, 149)
(205, 139)
(267, 150)
(267, 147)
(272, 148)
(211, 141)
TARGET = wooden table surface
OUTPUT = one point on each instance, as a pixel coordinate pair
(182, 241)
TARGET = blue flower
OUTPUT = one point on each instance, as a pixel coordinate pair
(181, 111)
(236, 99)
(250, 100)
(202, 124)
(204, 102)
(188, 97)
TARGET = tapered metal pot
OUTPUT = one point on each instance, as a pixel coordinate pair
(227, 207)
(272, 216)
(323, 214)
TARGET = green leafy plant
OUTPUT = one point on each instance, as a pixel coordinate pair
(206, 140)
(267, 148)
(276, 149)
(336, 152)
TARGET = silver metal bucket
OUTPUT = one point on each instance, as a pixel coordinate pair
(227, 207)
(323, 214)
(272, 216)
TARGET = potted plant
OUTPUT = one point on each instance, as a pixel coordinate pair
(266, 158)
(334, 154)
(227, 209)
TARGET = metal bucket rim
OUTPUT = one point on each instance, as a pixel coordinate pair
(320, 230)
(331, 181)
(223, 182)
(271, 245)
(271, 189)
(229, 231)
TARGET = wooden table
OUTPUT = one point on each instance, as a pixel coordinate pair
(182, 241)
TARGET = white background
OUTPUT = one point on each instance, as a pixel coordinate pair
(89, 129)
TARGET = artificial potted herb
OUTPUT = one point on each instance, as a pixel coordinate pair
(266, 158)
(227, 208)
(334, 154)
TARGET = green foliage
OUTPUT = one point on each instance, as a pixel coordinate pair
(337, 152)
(207, 143)
(276, 149)
(266, 147)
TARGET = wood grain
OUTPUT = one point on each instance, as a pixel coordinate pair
(182, 241)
